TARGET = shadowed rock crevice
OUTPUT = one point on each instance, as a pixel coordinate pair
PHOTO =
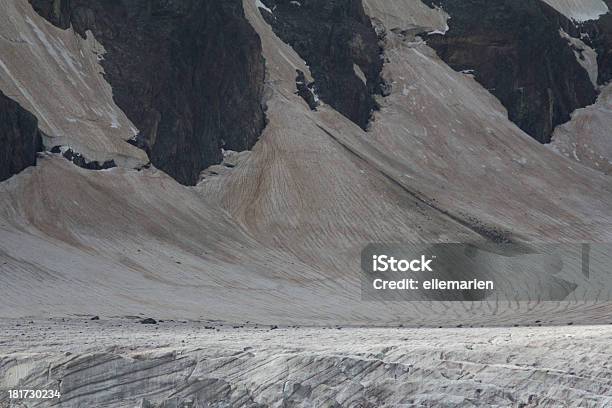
(79, 160)
(338, 42)
(516, 52)
(20, 138)
(305, 90)
(189, 74)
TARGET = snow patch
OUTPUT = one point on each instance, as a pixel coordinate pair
(316, 96)
(359, 73)
(445, 29)
(114, 120)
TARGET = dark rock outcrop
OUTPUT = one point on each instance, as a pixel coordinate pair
(333, 37)
(305, 90)
(188, 73)
(81, 161)
(20, 138)
(518, 54)
(602, 44)
(598, 35)
(148, 320)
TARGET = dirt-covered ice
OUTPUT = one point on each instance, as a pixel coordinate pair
(123, 363)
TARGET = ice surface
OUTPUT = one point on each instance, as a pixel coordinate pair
(121, 363)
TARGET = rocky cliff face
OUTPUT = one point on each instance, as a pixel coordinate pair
(598, 34)
(189, 74)
(337, 40)
(516, 51)
(20, 138)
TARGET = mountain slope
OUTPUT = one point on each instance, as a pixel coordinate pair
(286, 222)
(56, 75)
(270, 238)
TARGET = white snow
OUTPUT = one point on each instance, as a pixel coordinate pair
(441, 31)
(359, 73)
(114, 117)
(316, 96)
(64, 149)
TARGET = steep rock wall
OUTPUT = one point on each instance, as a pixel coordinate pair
(515, 50)
(20, 138)
(341, 47)
(189, 74)
(598, 34)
